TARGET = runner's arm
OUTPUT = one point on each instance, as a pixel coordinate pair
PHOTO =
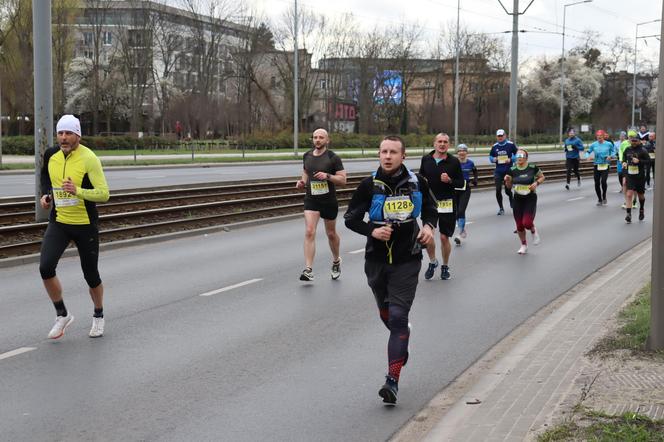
(429, 214)
(99, 192)
(358, 206)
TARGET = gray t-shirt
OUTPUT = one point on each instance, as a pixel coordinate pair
(329, 162)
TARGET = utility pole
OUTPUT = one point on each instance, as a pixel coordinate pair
(41, 29)
(514, 76)
(656, 338)
(636, 40)
(296, 88)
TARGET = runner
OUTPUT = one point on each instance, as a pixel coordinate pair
(73, 179)
(463, 194)
(603, 152)
(524, 178)
(650, 147)
(322, 171)
(393, 197)
(502, 154)
(573, 149)
(635, 161)
(622, 145)
(443, 171)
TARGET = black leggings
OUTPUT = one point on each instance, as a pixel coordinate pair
(57, 238)
(524, 210)
(500, 184)
(651, 165)
(600, 182)
(572, 165)
(463, 197)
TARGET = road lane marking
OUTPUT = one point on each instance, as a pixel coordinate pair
(231, 287)
(149, 177)
(16, 352)
(355, 252)
(577, 198)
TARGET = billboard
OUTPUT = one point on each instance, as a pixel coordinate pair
(388, 87)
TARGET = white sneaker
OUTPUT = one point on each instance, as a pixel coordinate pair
(335, 273)
(536, 237)
(61, 323)
(522, 250)
(97, 329)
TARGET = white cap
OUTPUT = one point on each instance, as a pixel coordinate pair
(500, 132)
(69, 123)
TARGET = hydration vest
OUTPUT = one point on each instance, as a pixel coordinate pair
(402, 207)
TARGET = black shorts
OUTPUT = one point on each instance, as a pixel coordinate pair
(637, 183)
(327, 210)
(447, 223)
(393, 283)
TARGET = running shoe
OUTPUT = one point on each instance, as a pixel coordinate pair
(389, 391)
(635, 205)
(307, 274)
(430, 270)
(604, 202)
(463, 234)
(522, 250)
(335, 273)
(567, 186)
(457, 240)
(578, 183)
(61, 323)
(445, 272)
(642, 215)
(628, 219)
(97, 329)
(599, 203)
(536, 237)
(624, 206)
(501, 211)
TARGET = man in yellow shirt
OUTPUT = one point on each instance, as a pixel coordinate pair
(72, 182)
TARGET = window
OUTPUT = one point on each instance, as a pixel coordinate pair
(107, 38)
(323, 84)
(88, 54)
(87, 38)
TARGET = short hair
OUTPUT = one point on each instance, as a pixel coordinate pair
(441, 134)
(396, 138)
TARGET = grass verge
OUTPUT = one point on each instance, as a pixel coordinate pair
(594, 426)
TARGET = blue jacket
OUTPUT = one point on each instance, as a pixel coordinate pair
(573, 146)
(506, 148)
(602, 151)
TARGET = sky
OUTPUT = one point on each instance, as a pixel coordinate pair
(543, 20)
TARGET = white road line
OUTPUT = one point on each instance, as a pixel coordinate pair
(355, 252)
(231, 287)
(16, 352)
(149, 177)
(577, 198)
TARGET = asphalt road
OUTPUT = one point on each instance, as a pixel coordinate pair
(134, 178)
(277, 359)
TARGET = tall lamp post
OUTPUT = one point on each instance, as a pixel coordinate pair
(296, 89)
(562, 68)
(456, 79)
(636, 39)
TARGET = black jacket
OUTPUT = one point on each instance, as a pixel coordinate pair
(403, 242)
(432, 171)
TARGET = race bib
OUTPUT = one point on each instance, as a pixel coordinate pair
(398, 208)
(569, 148)
(446, 206)
(652, 155)
(319, 188)
(633, 170)
(602, 167)
(63, 198)
(522, 189)
(502, 159)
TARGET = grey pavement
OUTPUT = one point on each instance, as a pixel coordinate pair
(265, 357)
(517, 392)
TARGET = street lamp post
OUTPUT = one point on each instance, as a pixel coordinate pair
(456, 79)
(562, 68)
(296, 89)
(636, 39)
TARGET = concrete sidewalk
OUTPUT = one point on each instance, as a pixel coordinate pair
(524, 384)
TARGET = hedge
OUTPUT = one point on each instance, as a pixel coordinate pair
(24, 145)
